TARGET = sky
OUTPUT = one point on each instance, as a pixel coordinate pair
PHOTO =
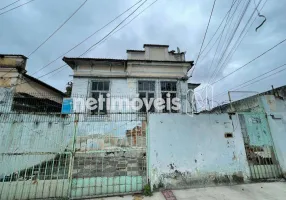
(178, 23)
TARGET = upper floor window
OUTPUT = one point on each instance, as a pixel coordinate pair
(168, 90)
(146, 89)
(99, 88)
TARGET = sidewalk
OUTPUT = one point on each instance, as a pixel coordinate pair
(259, 191)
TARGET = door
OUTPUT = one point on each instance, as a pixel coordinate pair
(259, 146)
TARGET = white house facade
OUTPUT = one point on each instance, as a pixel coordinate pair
(150, 73)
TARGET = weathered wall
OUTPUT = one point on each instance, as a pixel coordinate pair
(141, 69)
(190, 151)
(31, 87)
(26, 138)
(126, 88)
(275, 109)
(13, 61)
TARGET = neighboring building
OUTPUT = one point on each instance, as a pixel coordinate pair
(29, 93)
(151, 73)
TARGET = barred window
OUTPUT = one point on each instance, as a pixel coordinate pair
(99, 88)
(171, 88)
(146, 89)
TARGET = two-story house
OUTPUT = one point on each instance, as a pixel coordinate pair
(24, 93)
(154, 72)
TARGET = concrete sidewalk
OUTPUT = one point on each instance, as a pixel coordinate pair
(259, 191)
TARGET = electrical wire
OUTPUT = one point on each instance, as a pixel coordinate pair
(9, 4)
(227, 14)
(58, 28)
(248, 81)
(86, 51)
(86, 38)
(116, 30)
(220, 37)
(249, 61)
(129, 21)
(217, 70)
(16, 7)
(204, 38)
(237, 42)
(241, 39)
(235, 47)
(92, 46)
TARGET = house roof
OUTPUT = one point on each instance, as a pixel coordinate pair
(70, 61)
(133, 50)
(44, 84)
(18, 55)
(155, 45)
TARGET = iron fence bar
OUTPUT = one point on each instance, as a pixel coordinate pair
(59, 161)
(38, 179)
(64, 174)
(277, 164)
(267, 141)
(10, 182)
(73, 153)
(51, 175)
(18, 174)
(25, 174)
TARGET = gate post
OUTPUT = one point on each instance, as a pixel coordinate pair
(76, 119)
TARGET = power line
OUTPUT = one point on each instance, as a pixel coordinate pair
(58, 28)
(89, 48)
(263, 78)
(220, 37)
(42, 75)
(244, 34)
(17, 7)
(216, 71)
(237, 86)
(7, 72)
(237, 44)
(249, 61)
(129, 21)
(9, 5)
(228, 38)
(119, 28)
(204, 37)
(226, 15)
(113, 29)
(238, 41)
(86, 38)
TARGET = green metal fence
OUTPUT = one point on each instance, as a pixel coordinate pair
(45, 154)
(259, 146)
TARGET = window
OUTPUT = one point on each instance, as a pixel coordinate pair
(99, 88)
(146, 89)
(171, 88)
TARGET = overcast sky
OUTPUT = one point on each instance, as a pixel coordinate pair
(178, 23)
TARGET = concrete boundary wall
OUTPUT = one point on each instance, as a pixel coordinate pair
(275, 108)
(205, 149)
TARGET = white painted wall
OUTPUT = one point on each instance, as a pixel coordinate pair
(136, 55)
(155, 53)
(127, 87)
(31, 134)
(188, 150)
(276, 114)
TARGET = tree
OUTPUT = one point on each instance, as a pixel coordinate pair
(69, 89)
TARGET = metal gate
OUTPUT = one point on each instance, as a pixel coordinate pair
(46, 154)
(33, 160)
(109, 155)
(259, 146)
